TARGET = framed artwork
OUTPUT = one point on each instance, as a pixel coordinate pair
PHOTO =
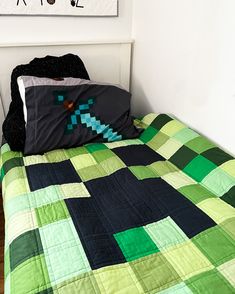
(59, 7)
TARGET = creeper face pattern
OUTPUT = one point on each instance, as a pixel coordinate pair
(79, 114)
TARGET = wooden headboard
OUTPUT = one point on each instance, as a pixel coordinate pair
(107, 61)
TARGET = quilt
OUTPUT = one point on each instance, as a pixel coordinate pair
(149, 215)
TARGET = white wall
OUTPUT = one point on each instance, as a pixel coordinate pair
(43, 29)
(184, 63)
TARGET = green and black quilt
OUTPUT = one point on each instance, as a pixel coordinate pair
(148, 215)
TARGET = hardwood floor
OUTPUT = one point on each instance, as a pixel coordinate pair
(1, 247)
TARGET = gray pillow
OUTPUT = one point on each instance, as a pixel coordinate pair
(69, 112)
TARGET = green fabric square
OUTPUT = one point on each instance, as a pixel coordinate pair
(72, 152)
(11, 163)
(10, 155)
(111, 165)
(180, 288)
(157, 141)
(200, 144)
(160, 121)
(51, 213)
(30, 277)
(182, 157)
(91, 172)
(95, 147)
(185, 135)
(148, 134)
(24, 247)
(229, 227)
(143, 172)
(210, 282)
(56, 155)
(216, 245)
(196, 193)
(217, 156)
(155, 273)
(163, 168)
(199, 168)
(135, 243)
(165, 233)
(229, 197)
(102, 155)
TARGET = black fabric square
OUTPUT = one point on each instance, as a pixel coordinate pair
(160, 121)
(229, 197)
(182, 157)
(137, 155)
(47, 174)
(13, 162)
(217, 156)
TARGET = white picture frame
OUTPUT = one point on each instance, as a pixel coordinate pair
(59, 7)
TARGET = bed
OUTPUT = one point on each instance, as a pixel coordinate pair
(153, 214)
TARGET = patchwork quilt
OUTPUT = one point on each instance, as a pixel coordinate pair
(149, 215)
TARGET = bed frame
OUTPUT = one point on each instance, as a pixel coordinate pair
(106, 61)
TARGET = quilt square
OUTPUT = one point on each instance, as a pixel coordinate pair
(135, 243)
(51, 213)
(185, 135)
(172, 127)
(187, 260)
(157, 141)
(169, 148)
(102, 155)
(155, 273)
(137, 155)
(199, 168)
(56, 155)
(178, 179)
(148, 134)
(31, 276)
(180, 288)
(229, 167)
(165, 233)
(44, 175)
(229, 226)
(111, 165)
(160, 121)
(200, 144)
(92, 172)
(196, 193)
(11, 163)
(229, 197)
(72, 152)
(227, 269)
(182, 157)
(212, 280)
(96, 147)
(143, 172)
(34, 159)
(163, 167)
(31, 242)
(77, 190)
(217, 156)
(82, 161)
(118, 279)
(216, 245)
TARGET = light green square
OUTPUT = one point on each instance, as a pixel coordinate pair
(51, 213)
(129, 142)
(91, 172)
(103, 155)
(72, 152)
(218, 182)
(14, 174)
(172, 127)
(157, 141)
(163, 167)
(165, 233)
(82, 161)
(180, 288)
(64, 254)
(143, 172)
(196, 193)
(15, 188)
(116, 144)
(169, 148)
(185, 135)
(200, 144)
(30, 277)
(149, 118)
(56, 156)
(10, 154)
(34, 159)
(178, 179)
(112, 165)
(5, 148)
(74, 190)
(229, 226)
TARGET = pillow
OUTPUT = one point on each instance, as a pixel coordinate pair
(69, 112)
(68, 65)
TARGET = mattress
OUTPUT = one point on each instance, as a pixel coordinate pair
(149, 215)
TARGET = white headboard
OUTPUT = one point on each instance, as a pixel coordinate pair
(105, 62)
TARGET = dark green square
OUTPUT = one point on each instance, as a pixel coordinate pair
(199, 168)
(229, 197)
(182, 157)
(216, 245)
(148, 134)
(200, 144)
(95, 147)
(135, 243)
(160, 121)
(217, 156)
(24, 247)
(210, 282)
(13, 162)
(196, 193)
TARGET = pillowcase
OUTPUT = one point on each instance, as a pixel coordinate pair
(68, 65)
(69, 112)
